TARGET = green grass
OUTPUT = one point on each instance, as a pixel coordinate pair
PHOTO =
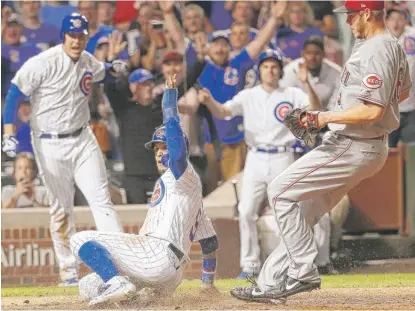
(336, 281)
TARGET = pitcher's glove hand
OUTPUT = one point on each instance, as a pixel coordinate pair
(119, 67)
(303, 124)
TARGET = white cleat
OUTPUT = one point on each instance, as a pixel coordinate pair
(117, 289)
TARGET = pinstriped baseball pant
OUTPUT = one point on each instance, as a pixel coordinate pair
(63, 162)
(146, 260)
(307, 190)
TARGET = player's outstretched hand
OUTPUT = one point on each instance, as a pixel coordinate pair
(9, 145)
(204, 96)
(171, 82)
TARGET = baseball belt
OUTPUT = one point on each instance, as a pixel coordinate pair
(75, 133)
(277, 149)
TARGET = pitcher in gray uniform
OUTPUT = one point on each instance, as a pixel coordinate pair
(374, 81)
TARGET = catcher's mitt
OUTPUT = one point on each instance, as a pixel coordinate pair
(307, 132)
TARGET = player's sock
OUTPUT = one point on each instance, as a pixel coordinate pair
(96, 256)
(208, 270)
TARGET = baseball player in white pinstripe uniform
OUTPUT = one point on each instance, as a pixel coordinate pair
(126, 263)
(58, 81)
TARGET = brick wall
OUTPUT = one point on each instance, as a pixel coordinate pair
(28, 259)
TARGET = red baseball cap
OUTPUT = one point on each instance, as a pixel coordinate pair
(172, 56)
(355, 6)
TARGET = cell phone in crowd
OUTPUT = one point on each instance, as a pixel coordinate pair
(159, 25)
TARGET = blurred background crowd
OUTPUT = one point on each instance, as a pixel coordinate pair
(165, 38)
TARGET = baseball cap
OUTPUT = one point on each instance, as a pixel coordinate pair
(140, 75)
(172, 56)
(355, 6)
(14, 19)
(218, 35)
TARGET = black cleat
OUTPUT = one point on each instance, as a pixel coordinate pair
(254, 294)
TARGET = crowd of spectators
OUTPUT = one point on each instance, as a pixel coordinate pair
(204, 42)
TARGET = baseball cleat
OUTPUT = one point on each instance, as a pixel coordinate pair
(256, 295)
(292, 286)
(117, 289)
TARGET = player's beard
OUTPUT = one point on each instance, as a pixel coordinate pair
(360, 28)
(162, 169)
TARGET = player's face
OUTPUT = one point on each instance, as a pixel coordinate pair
(219, 51)
(74, 44)
(357, 24)
(173, 68)
(313, 57)
(160, 149)
(396, 23)
(192, 21)
(142, 92)
(239, 36)
(270, 72)
(30, 8)
(23, 169)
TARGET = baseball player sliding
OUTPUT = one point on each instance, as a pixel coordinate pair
(374, 81)
(269, 141)
(125, 263)
(58, 82)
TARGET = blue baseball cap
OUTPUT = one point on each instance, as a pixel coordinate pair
(220, 34)
(140, 75)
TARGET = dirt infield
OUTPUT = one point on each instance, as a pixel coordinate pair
(396, 298)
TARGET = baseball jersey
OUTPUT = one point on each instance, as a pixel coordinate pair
(407, 41)
(325, 84)
(222, 82)
(264, 114)
(44, 37)
(58, 89)
(376, 72)
(176, 211)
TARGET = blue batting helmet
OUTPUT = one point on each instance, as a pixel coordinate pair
(74, 23)
(271, 54)
(159, 136)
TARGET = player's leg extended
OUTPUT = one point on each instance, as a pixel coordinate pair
(55, 169)
(90, 286)
(252, 194)
(91, 178)
(316, 183)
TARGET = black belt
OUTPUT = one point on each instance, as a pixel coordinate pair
(176, 251)
(59, 136)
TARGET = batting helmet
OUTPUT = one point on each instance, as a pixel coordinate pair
(159, 136)
(271, 54)
(74, 23)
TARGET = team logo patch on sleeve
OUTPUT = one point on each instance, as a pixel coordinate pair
(281, 110)
(372, 81)
(158, 193)
(85, 83)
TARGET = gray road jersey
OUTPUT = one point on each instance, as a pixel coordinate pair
(376, 72)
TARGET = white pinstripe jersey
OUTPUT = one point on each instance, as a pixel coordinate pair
(176, 211)
(377, 72)
(58, 89)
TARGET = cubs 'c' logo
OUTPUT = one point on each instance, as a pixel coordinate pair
(231, 76)
(158, 193)
(85, 83)
(372, 81)
(77, 23)
(281, 110)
